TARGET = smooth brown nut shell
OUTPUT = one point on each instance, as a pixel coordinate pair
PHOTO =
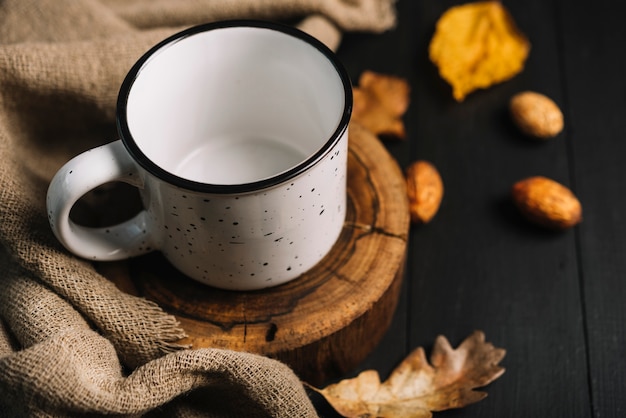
(547, 203)
(425, 191)
(536, 115)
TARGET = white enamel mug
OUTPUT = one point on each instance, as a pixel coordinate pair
(235, 134)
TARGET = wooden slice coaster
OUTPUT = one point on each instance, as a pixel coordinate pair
(328, 320)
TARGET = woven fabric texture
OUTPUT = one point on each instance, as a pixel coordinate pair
(71, 343)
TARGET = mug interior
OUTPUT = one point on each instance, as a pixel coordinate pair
(234, 104)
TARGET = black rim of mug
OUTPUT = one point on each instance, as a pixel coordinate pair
(154, 169)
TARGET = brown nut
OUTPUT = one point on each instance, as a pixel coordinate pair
(425, 191)
(547, 203)
(536, 115)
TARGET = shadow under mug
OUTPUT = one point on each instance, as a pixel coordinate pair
(235, 134)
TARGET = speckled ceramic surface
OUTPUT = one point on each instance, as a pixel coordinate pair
(235, 134)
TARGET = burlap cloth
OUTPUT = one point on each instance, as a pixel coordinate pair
(71, 343)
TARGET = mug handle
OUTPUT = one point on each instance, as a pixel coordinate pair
(85, 172)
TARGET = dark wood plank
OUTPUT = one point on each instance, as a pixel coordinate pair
(478, 265)
(595, 69)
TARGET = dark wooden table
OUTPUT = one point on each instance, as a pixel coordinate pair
(555, 301)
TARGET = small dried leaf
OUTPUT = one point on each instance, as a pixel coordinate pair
(379, 102)
(415, 387)
(476, 45)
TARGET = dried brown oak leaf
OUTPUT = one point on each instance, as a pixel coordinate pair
(476, 45)
(416, 388)
(380, 101)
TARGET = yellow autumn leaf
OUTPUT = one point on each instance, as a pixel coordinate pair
(415, 387)
(476, 45)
